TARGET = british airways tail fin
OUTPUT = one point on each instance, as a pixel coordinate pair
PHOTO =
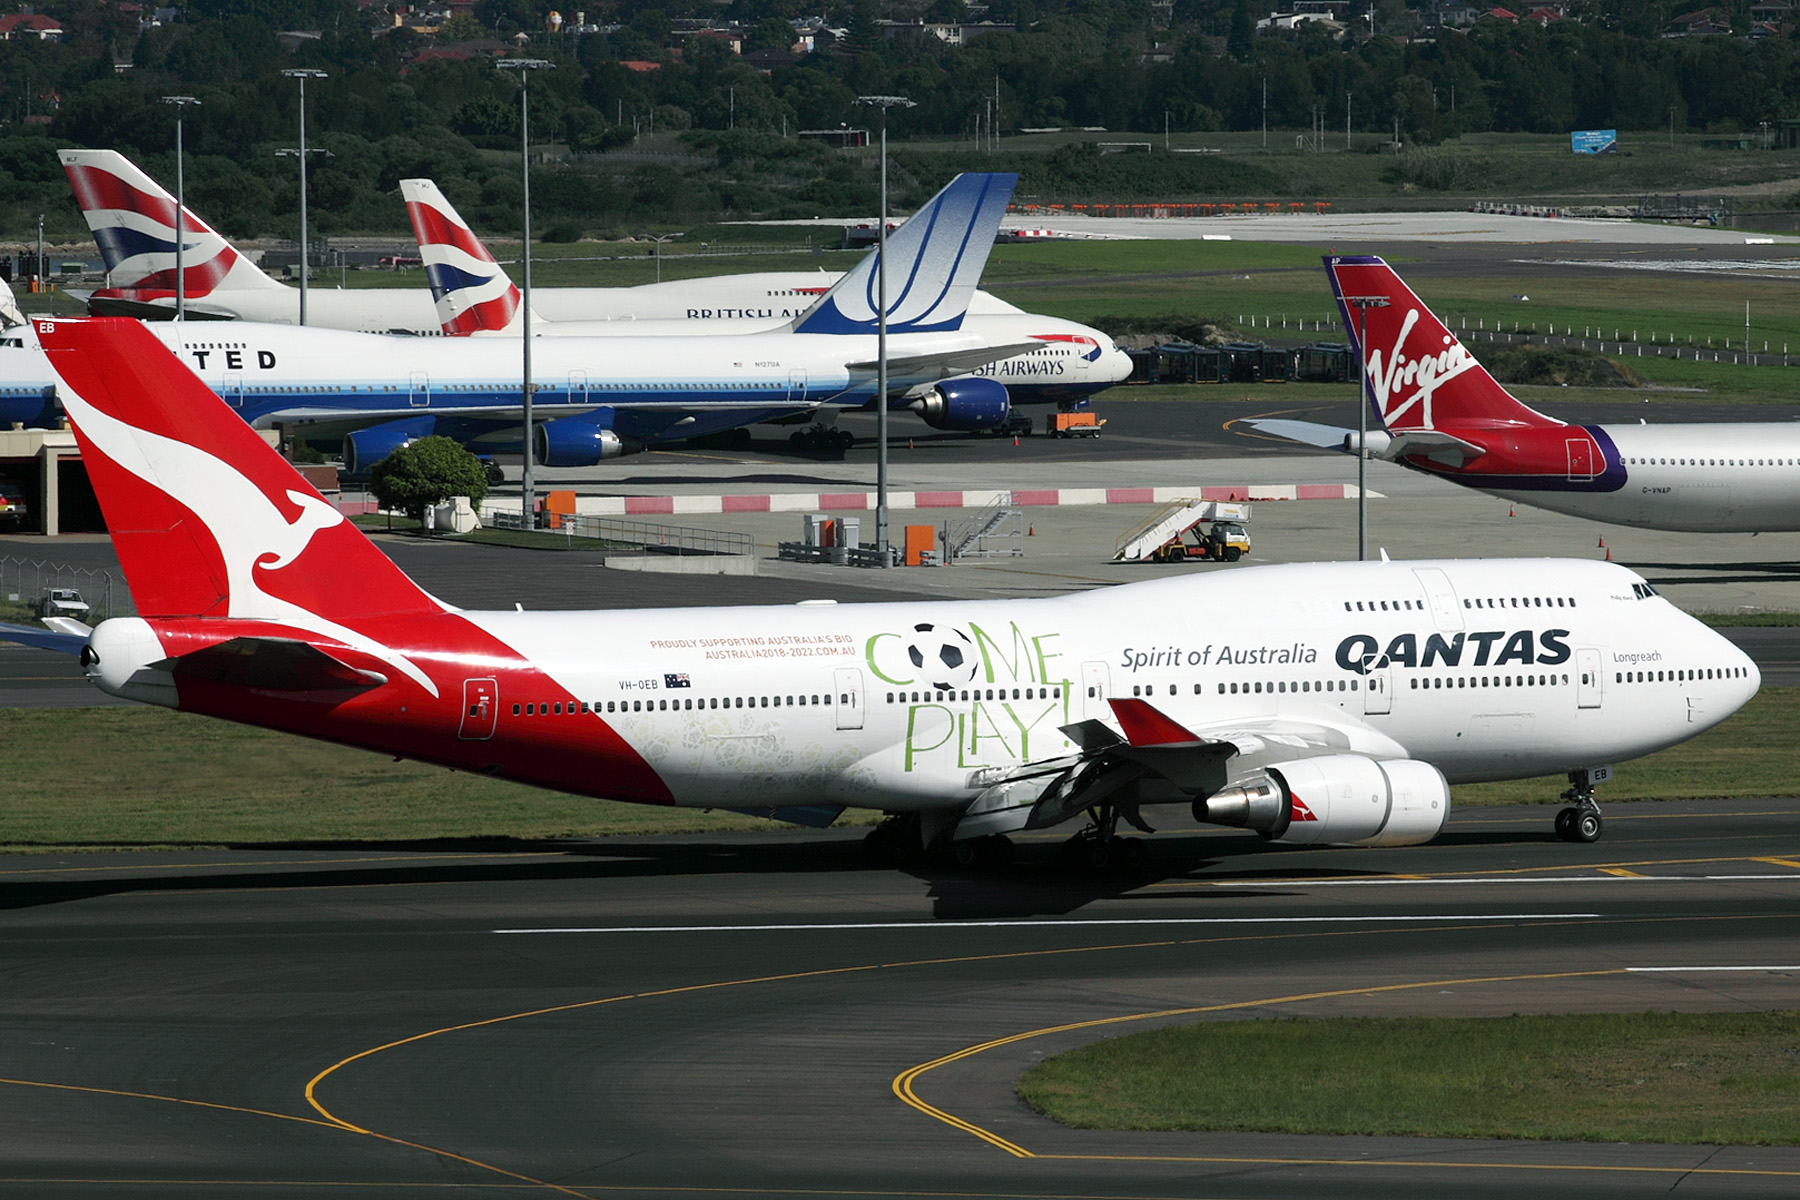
(1421, 377)
(208, 520)
(935, 262)
(133, 221)
(473, 294)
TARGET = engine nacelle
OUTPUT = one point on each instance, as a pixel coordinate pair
(366, 447)
(964, 404)
(573, 442)
(1339, 798)
(1376, 443)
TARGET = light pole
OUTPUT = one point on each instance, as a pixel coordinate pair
(659, 239)
(1362, 305)
(180, 103)
(1346, 120)
(524, 66)
(881, 371)
(303, 74)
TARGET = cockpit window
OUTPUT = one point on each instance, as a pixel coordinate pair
(1644, 591)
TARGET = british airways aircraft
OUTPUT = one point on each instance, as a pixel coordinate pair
(133, 222)
(602, 397)
(1326, 703)
(1068, 362)
(1438, 411)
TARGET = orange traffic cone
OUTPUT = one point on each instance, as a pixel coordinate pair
(1603, 543)
(1609, 554)
(909, 444)
(1015, 439)
(1031, 531)
(1510, 511)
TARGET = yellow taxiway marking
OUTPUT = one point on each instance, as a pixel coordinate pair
(1614, 868)
(1622, 873)
(903, 1088)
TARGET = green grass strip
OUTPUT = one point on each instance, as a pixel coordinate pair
(150, 777)
(1729, 1078)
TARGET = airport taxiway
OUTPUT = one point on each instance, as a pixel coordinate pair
(756, 1015)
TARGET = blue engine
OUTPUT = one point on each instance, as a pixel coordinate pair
(366, 447)
(581, 441)
(966, 404)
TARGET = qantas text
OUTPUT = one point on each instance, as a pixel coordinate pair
(1362, 653)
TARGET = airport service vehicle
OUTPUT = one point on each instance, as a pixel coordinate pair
(13, 509)
(132, 219)
(1438, 411)
(1184, 529)
(63, 602)
(1072, 424)
(1065, 363)
(1333, 702)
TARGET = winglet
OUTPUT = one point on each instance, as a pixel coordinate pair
(935, 262)
(1145, 725)
(133, 221)
(473, 294)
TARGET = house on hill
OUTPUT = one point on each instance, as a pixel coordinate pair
(23, 27)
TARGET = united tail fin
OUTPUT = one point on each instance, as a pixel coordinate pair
(473, 294)
(133, 221)
(207, 519)
(935, 262)
(1421, 377)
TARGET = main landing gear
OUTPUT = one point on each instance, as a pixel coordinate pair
(1580, 822)
(1100, 849)
(899, 842)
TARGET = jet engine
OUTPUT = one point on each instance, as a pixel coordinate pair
(366, 447)
(964, 404)
(575, 442)
(1339, 798)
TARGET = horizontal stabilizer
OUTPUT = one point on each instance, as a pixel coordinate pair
(43, 639)
(272, 665)
(1434, 443)
(1092, 736)
(1326, 437)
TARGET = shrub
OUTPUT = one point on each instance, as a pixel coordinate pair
(426, 473)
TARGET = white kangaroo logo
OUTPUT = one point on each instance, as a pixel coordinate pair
(250, 530)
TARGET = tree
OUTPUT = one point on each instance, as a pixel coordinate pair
(425, 473)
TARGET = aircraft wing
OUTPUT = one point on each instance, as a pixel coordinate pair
(1143, 742)
(43, 639)
(949, 362)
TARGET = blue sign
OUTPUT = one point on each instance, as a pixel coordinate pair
(1594, 141)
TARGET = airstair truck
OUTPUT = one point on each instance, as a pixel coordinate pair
(1185, 529)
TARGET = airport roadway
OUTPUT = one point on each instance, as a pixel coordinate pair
(763, 1015)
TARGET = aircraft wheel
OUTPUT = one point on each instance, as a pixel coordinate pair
(845, 439)
(1586, 827)
(1565, 824)
(1074, 854)
(1132, 854)
(994, 851)
(962, 855)
(797, 440)
(1100, 856)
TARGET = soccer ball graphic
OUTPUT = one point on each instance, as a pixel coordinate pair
(945, 656)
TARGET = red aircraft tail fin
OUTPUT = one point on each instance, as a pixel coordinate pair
(207, 519)
(1420, 375)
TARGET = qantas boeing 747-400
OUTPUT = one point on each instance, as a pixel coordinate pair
(1312, 703)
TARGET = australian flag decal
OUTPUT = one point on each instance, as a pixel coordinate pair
(675, 681)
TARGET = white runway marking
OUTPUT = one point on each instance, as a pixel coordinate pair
(1655, 970)
(1294, 883)
(1057, 924)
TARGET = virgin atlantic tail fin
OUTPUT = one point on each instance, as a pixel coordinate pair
(1421, 377)
(935, 262)
(208, 520)
(473, 294)
(133, 222)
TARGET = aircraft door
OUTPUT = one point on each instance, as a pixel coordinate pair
(481, 708)
(1377, 698)
(1446, 609)
(848, 699)
(421, 390)
(578, 387)
(1581, 458)
(232, 390)
(1094, 686)
(796, 387)
(1589, 687)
